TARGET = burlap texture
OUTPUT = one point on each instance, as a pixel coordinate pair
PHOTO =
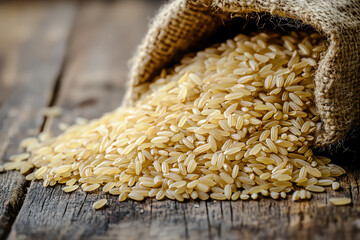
(181, 24)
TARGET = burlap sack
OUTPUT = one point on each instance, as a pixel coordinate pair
(182, 24)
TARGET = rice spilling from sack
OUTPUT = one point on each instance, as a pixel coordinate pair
(234, 121)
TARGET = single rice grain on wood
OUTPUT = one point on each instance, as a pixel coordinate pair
(100, 203)
(340, 201)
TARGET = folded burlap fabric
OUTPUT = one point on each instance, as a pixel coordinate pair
(182, 24)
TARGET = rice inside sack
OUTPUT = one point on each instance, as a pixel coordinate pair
(234, 121)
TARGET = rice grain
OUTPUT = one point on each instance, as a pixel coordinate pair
(100, 203)
(235, 121)
(340, 201)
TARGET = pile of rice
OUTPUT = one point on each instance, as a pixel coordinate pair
(234, 121)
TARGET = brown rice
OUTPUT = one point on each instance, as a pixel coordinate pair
(234, 121)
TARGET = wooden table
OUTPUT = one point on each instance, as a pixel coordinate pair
(74, 55)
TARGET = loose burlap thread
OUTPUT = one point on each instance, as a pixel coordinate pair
(182, 24)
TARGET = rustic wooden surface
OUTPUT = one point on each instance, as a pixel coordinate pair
(74, 55)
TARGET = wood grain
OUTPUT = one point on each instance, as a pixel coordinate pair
(91, 82)
(32, 47)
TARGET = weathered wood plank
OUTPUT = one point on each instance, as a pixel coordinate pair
(103, 39)
(92, 83)
(32, 46)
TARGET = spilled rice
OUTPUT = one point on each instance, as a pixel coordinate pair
(340, 201)
(100, 203)
(235, 121)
